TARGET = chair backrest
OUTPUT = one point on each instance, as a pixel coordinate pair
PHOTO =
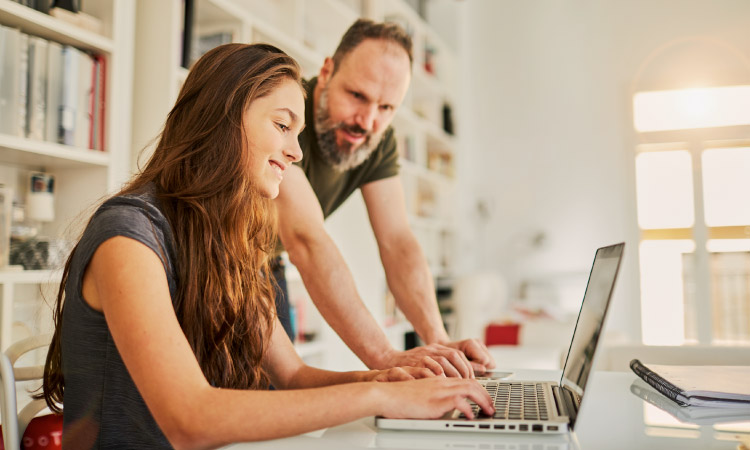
(14, 423)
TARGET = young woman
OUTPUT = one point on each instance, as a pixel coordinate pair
(168, 335)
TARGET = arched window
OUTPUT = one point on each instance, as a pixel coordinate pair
(691, 114)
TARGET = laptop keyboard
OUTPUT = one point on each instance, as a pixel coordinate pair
(514, 401)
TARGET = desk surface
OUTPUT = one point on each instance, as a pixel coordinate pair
(612, 417)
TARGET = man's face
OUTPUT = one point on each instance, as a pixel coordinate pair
(357, 103)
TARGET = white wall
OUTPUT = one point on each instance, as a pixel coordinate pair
(548, 129)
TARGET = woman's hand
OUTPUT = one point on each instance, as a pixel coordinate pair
(430, 398)
(399, 374)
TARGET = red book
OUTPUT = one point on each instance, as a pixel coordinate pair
(96, 136)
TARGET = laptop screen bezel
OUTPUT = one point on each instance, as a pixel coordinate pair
(615, 250)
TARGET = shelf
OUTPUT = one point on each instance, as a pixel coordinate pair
(218, 11)
(427, 84)
(419, 23)
(30, 276)
(413, 168)
(398, 328)
(438, 139)
(346, 13)
(444, 141)
(441, 272)
(27, 152)
(428, 223)
(43, 25)
(312, 348)
(182, 74)
(290, 45)
(292, 274)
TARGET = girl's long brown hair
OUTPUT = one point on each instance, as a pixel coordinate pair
(223, 229)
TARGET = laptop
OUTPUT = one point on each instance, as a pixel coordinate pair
(541, 406)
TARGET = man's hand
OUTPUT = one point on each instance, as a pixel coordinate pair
(440, 359)
(476, 352)
(454, 359)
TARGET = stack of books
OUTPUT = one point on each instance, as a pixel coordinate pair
(51, 92)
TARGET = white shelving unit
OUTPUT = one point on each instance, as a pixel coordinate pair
(309, 30)
(82, 176)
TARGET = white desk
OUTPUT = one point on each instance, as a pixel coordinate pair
(611, 418)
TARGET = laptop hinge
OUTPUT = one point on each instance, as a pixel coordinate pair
(561, 409)
(564, 401)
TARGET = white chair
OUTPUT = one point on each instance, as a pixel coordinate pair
(14, 423)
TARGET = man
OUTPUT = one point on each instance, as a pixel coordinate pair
(348, 144)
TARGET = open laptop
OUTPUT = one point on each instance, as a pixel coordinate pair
(543, 406)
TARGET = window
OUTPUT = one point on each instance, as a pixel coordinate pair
(693, 202)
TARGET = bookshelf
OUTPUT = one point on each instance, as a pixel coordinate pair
(82, 175)
(309, 30)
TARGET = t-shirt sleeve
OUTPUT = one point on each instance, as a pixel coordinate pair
(121, 220)
(388, 160)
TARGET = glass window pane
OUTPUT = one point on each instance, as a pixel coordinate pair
(726, 184)
(664, 188)
(692, 108)
(730, 290)
(662, 291)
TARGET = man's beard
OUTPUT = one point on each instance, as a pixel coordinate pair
(341, 158)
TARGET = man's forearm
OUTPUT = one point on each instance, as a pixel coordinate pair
(331, 287)
(411, 282)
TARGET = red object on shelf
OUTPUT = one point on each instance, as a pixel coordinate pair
(502, 334)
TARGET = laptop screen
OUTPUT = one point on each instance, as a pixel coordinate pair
(591, 319)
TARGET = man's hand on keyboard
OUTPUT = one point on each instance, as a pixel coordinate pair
(476, 352)
(440, 359)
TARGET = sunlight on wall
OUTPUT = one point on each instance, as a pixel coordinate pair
(662, 291)
(726, 184)
(728, 245)
(692, 108)
(664, 185)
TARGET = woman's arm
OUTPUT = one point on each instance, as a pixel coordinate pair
(287, 370)
(129, 283)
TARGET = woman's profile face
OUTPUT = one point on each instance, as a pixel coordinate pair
(272, 124)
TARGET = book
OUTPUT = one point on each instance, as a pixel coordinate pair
(54, 91)
(99, 105)
(23, 85)
(78, 19)
(699, 415)
(84, 102)
(9, 73)
(187, 32)
(710, 386)
(36, 101)
(69, 98)
(6, 212)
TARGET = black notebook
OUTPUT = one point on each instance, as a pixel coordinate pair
(714, 386)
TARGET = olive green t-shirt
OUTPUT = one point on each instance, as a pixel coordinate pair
(331, 186)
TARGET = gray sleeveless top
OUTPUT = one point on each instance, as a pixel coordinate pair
(102, 406)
